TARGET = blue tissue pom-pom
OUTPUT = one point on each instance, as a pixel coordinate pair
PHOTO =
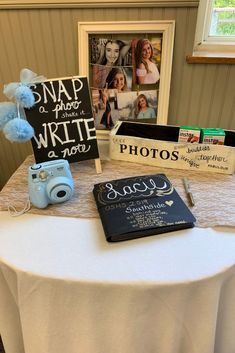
(8, 111)
(18, 130)
(24, 96)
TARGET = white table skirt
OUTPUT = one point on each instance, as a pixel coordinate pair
(63, 288)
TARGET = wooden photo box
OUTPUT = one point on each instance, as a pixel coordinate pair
(158, 145)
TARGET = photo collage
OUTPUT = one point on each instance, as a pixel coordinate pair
(124, 79)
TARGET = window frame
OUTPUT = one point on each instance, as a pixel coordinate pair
(205, 45)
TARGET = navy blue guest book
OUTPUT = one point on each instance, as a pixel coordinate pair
(140, 206)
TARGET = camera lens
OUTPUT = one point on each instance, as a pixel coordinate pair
(61, 193)
(59, 189)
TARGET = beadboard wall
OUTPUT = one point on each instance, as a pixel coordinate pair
(42, 36)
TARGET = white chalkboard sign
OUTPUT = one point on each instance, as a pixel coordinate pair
(63, 121)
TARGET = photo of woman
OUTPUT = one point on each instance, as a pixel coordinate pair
(146, 69)
(111, 52)
(143, 110)
(106, 117)
(106, 54)
(133, 106)
(117, 79)
(104, 104)
(116, 66)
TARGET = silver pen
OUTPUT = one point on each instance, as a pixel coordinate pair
(188, 191)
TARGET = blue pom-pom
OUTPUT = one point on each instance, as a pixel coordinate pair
(24, 96)
(18, 130)
(8, 111)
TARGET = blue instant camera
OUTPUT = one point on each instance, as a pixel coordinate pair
(49, 183)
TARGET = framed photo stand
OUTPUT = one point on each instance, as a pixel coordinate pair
(128, 65)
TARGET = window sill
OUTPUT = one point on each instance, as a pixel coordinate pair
(211, 58)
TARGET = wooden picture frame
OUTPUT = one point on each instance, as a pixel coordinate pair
(133, 31)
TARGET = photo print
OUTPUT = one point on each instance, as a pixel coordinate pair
(110, 52)
(137, 106)
(105, 109)
(146, 60)
(111, 71)
(116, 75)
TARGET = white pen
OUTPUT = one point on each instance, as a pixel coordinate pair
(188, 191)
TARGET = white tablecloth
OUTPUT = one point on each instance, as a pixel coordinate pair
(63, 288)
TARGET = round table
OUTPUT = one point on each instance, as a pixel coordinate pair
(63, 288)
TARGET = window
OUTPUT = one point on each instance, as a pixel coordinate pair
(215, 31)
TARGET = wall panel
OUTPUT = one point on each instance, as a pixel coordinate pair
(45, 40)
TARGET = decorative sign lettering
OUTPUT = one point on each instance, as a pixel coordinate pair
(63, 121)
(136, 207)
(135, 188)
(203, 157)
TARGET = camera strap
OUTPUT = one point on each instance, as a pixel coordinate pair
(15, 213)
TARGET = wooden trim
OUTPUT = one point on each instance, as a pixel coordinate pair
(165, 27)
(191, 59)
(26, 4)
